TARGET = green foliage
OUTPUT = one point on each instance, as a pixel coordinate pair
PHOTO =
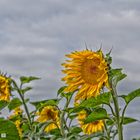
(108, 58)
(128, 98)
(60, 91)
(1, 119)
(3, 104)
(8, 129)
(25, 79)
(127, 120)
(26, 89)
(75, 109)
(96, 101)
(74, 133)
(116, 75)
(97, 114)
(63, 94)
(40, 104)
(67, 95)
(67, 123)
(14, 103)
(75, 130)
(136, 139)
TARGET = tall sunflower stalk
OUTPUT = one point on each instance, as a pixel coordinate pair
(86, 108)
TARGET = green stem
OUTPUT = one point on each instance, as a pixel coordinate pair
(26, 109)
(112, 110)
(107, 134)
(24, 104)
(123, 113)
(62, 120)
(116, 105)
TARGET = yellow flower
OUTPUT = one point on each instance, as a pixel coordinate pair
(18, 126)
(86, 71)
(4, 88)
(49, 113)
(92, 127)
(17, 111)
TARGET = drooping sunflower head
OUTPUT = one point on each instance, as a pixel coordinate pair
(92, 127)
(4, 88)
(87, 72)
(49, 113)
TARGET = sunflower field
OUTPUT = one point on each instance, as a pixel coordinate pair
(87, 107)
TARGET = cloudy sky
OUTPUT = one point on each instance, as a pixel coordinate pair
(36, 34)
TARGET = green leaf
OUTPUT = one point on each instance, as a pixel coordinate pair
(3, 104)
(97, 114)
(128, 98)
(108, 58)
(61, 90)
(55, 132)
(25, 127)
(14, 118)
(26, 89)
(14, 103)
(75, 109)
(96, 101)
(9, 130)
(40, 104)
(73, 116)
(76, 130)
(92, 102)
(67, 95)
(27, 100)
(63, 94)
(25, 79)
(1, 118)
(127, 120)
(110, 122)
(116, 75)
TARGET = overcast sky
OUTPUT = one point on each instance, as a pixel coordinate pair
(36, 34)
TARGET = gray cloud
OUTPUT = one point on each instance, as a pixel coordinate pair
(34, 35)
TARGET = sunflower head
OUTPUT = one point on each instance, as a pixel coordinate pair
(92, 127)
(18, 126)
(49, 113)
(17, 121)
(4, 88)
(87, 72)
(17, 111)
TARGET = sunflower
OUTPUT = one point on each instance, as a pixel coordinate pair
(87, 72)
(18, 126)
(92, 127)
(49, 113)
(4, 88)
(17, 111)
